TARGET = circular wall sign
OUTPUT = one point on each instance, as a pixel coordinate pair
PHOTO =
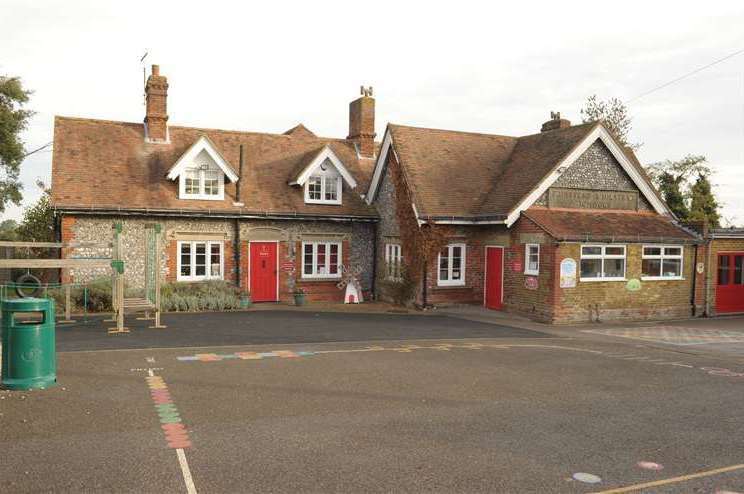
(633, 285)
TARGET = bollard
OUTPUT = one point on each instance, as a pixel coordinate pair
(29, 352)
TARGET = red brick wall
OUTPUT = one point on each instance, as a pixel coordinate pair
(68, 235)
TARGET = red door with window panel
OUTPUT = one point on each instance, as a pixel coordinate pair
(494, 298)
(263, 272)
(730, 282)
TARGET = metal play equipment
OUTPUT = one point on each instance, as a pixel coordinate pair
(150, 303)
(30, 286)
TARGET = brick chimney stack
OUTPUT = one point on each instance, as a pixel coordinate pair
(555, 122)
(362, 123)
(156, 117)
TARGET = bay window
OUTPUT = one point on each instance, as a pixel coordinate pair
(661, 262)
(451, 265)
(200, 261)
(321, 259)
(602, 262)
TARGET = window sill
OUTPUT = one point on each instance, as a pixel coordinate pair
(452, 287)
(532, 273)
(198, 280)
(201, 198)
(319, 278)
(662, 278)
(594, 280)
(325, 203)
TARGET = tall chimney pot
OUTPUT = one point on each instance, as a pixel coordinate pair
(156, 115)
(362, 123)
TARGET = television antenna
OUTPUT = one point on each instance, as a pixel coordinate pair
(144, 77)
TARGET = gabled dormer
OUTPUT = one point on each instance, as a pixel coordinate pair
(322, 176)
(201, 172)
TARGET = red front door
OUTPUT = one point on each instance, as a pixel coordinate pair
(494, 278)
(263, 272)
(730, 282)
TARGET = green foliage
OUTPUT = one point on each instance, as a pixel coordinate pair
(613, 113)
(9, 230)
(194, 297)
(38, 221)
(96, 296)
(13, 121)
(403, 290)
(703, 204)
(669, 186)
(689, 201)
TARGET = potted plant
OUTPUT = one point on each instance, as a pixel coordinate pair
(299, 296)
(245, 300)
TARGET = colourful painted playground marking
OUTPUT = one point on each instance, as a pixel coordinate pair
(216, 357)
(170, 420)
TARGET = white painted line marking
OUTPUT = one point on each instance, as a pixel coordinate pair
(190, 487)
(150, 360)
(150, 372)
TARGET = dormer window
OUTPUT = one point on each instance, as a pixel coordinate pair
(201, 172)
(324, 186)
(322, 177)
(203, 181)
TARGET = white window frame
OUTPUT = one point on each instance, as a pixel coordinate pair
(527, 270)
(207, 271)
(662, 257)
(314, 274)
(323, 200)
(393, 262)
(202, 171)
(604, 256)
(449, 281)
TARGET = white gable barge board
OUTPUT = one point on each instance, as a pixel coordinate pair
(325, 153)
(202, 144)
(601, 133)
(387, 142)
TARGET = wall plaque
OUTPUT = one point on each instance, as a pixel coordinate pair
(592, 199)
(568, 273)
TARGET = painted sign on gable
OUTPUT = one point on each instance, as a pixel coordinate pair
(592, 199)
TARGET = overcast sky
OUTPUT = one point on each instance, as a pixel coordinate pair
(491, 67)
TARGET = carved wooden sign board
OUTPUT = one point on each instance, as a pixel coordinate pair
(592, 199)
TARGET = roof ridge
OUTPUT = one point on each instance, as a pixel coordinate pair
(205, 129)
(463, 132)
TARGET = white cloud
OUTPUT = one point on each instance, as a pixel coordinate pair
(481, 66)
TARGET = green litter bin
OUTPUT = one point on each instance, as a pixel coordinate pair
(29, 353)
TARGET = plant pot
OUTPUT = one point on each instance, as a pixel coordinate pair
(299, 299)
(245, 302)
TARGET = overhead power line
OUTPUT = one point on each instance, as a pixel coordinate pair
(700, 69)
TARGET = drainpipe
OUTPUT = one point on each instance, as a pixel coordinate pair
(374, 262)
(708, 275)
(694, 282)
(423, 290)
(236, 241)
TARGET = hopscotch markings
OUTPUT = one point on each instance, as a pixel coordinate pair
(176, 435)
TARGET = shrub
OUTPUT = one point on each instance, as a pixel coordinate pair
(192, 297)
(402, 291)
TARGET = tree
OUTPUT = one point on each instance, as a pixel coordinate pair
(13, 120)
(38, 220)
(669, 186)
(613, 114)
(8, 230)
(703, 204)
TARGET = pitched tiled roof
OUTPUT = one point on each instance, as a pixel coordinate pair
(468, 175)
(607, 225)
(450, 172)
(106, 164)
